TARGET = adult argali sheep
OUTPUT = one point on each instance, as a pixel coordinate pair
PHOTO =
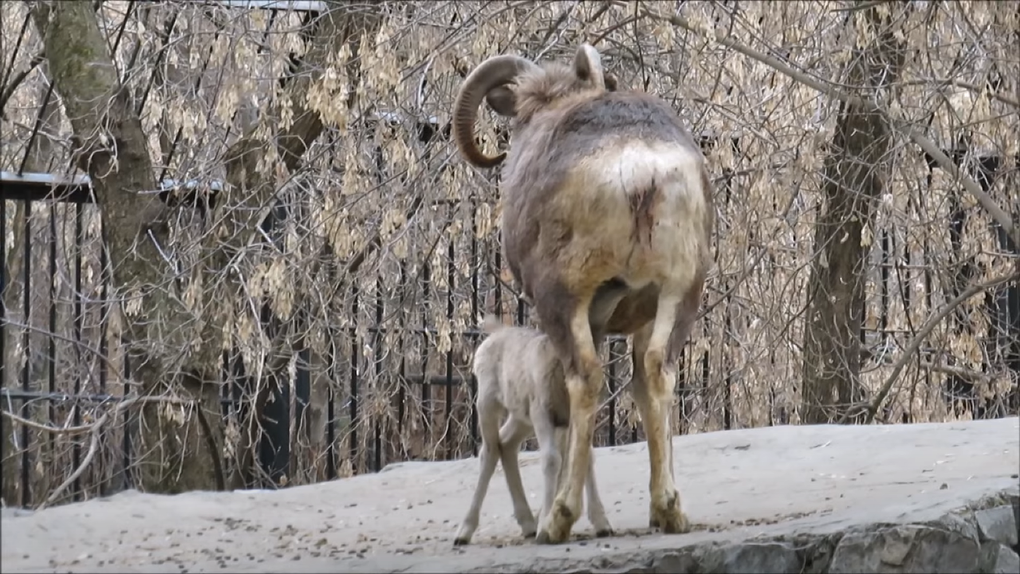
(607, 219)
(520, 377)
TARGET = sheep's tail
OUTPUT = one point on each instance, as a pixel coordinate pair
(491, 323)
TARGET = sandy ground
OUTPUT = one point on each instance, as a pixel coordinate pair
(735, 485)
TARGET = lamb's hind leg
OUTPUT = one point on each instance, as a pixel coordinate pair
(513, 433)
(655, 355)
(488, 457)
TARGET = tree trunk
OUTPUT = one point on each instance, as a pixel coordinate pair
(113, 150)
(855, 171)
(178, 451)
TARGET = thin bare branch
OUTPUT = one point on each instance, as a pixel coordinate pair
(972, 187)
(918, 340)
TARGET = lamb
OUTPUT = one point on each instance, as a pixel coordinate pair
(520, 377)
(606, 227)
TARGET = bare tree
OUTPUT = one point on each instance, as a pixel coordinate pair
(856, 169)
(171, 347)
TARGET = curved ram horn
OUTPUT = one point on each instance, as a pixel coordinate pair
(494, 72)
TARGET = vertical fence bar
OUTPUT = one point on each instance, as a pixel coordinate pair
(79, 241)
(773, 406)
(302, 398)
(473, 390)
(378, 352)
(498, 297)
(682, 391)
(727, 361)
(26, 381)
(353, 405)
(726, 356)
(613, 354)
(401, 344)
(705, 373)
(128, 479)
(884, 271)
(51, 347)
(104, 274)
(331, 398)
(426, 387)
(998, 301)
(3, 324)
(451, 269)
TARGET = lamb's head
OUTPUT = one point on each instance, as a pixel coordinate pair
(516, 87)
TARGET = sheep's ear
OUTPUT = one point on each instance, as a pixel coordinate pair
(588, 65)
(611, 84)
(502, 101)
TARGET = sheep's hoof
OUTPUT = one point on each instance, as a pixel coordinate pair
(557, 528)
(461, 542)
(604, 533)
(672, 525)
(669, 517)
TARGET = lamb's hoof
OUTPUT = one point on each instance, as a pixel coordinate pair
(604, 533)
(668, 517)
(461, 542)
(529, 534)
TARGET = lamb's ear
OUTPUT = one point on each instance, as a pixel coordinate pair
(588, 65)
(502, 101)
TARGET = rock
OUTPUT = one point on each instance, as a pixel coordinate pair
(998, 559)
(674, 562)
(816, 552)
(634, 570)
(998, 524)
(962, 524)
(910, 548)
(750, 558)
(1016, 514)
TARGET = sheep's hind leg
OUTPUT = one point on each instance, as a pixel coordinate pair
(572, 334)
(513, 433)
(653, 384)
(489, 455)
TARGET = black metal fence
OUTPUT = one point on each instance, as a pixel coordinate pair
(64, 402)
(61, 400)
